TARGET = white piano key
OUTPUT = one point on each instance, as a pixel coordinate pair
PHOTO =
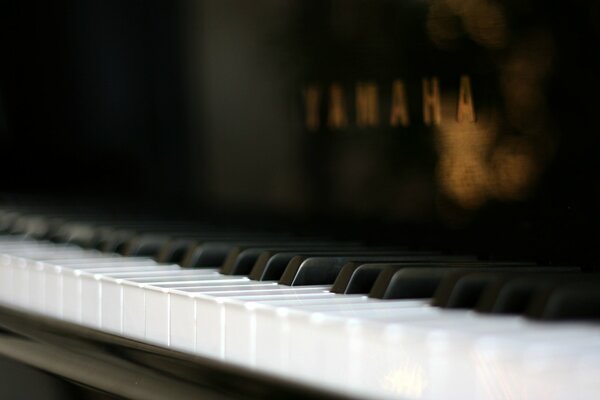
(111, 310)
(271, 339)
(209, 325)
(72, 289)
(99, 260)
(310, 341)
(20, 283)
(349, 343)
(134, 310)
(210, 311)
(71, 296)
(134, 303)
(259, 290)
(37, 287)
(162, 272)
(53, 293)
(272, 333)
(240, 317)
(183, 322)
(111, 293)
(90, 301)
(91, 289)
(6, 279)
(179, 276)
(157, 319)
(213, 282)
(135, 321)
(535, 359)
(239, 333)
(584, 378)
(183, 306)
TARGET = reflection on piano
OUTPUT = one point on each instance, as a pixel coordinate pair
(334, 199)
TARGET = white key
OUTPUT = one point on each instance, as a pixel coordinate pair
(72, 282)
(210, 313)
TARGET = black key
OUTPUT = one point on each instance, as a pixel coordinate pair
(358, 278)
(154, 243)
(342, 282)
(151, 244)
(542, 293)
(419, 282)
(453, 294)
(81, 234)
(248, 258)
(117, 238)
(34, 226)
(409, 281)
(148, 245)
(324, 270)
(513, 293)
(274, 267)
(7, 220)
(116, 241)
(174, 250)
(242, 259)
(573, 301)
(214, 253)
(518, 293)
(468, 290)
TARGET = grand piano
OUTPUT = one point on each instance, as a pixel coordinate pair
(291, 199)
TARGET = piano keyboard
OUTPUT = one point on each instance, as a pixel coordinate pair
(367, 323)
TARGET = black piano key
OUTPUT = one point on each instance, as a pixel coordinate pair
(274, 267)
(246, 259)
(469, 289)
(362, 279)
(573, 301)
(153, 241)
(242, 259)
(174, 250)
(324, 270)
(242, 262)
(452, 293)
(117, 241)
(514, 292)
(215, 253)
(7, 220)
(117, 238)
(177, 249)
(340, 285)
(150, 244)
(34, 226)
(409, 281)
(359, 278)
(431, 280)
(81, 234)
(541, 293)
(269, 266)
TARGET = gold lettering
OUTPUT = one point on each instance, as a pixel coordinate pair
(337, 118)
(399, 108)
(465, 110)
(432, 105)
(367, 104)
(312, 98)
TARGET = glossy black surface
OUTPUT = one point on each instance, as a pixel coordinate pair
(292, 111)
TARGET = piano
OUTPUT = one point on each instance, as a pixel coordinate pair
(325, 199)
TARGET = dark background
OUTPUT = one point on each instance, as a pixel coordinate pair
(197, 106)
(91, 97)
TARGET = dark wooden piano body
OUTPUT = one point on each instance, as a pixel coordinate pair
(449, 124)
